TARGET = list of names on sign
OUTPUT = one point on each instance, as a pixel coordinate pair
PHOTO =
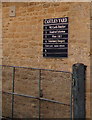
(55, 37)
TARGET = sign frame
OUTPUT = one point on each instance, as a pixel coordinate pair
(55, 37)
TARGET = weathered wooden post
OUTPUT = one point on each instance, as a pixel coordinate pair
(78, 92)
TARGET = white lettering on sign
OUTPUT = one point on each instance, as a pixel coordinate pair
(55, 27)
(61, 41)
(53, 41)
(61, 26)
(57, 31)
(59, 20)
(59, 36)
(55, 36)
(59, 45)
(49, 46)
(55, 45)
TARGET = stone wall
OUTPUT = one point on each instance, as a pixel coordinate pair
(23, 36)
(0, 33)
(91, 54)
(0, 57)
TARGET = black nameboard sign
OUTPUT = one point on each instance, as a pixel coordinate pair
(55, 37)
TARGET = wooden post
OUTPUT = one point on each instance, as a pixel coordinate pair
(79, 90)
